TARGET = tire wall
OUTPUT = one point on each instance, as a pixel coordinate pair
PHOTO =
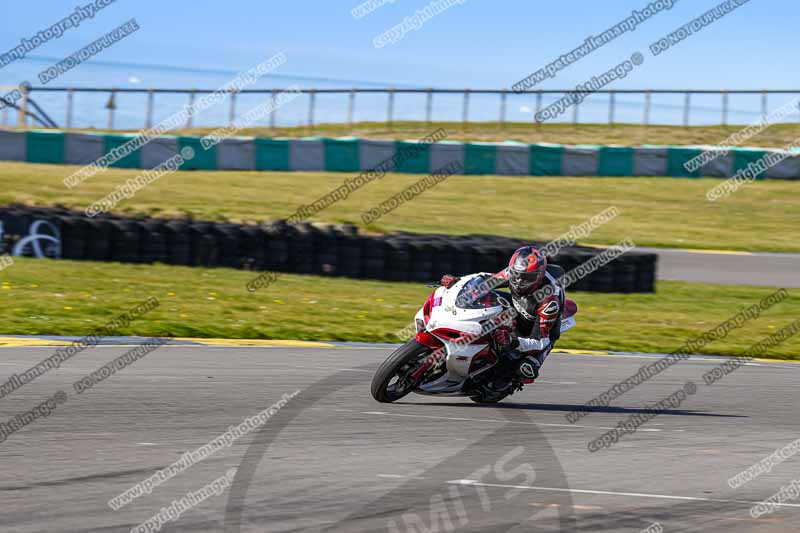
(326, 250)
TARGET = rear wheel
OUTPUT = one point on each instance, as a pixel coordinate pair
(393, 380)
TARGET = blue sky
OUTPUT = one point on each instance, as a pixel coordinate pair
(475, 44)
(480, 43)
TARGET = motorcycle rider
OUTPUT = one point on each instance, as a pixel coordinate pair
(539, 301)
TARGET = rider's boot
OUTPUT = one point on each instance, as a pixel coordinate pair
(529, 365)
(506, 368)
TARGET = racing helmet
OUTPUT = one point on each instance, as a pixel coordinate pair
(526, 270)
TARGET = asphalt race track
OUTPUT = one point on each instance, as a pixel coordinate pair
(728, 268)
(333, 459)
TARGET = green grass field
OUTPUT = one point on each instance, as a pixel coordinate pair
(71, 298)
(779, 135)
(662, 212)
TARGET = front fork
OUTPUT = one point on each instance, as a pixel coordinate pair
(432, 360)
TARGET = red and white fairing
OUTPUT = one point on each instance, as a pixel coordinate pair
(461, 334)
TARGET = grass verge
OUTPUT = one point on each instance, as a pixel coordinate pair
(777, 136)
(72, 298)
(661, 212)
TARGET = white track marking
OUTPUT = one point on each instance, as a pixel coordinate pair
(575, 506)
(610, 493)
(692, 358)
(399, 476)
(462, 419)
(332, 368)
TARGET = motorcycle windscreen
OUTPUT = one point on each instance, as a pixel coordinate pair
(476, 294)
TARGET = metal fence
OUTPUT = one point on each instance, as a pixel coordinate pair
(28, 111)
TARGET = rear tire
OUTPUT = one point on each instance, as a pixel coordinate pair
(383, 390)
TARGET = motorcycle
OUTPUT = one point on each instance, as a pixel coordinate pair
(453, 352)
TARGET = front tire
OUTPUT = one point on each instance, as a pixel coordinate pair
(399, 365)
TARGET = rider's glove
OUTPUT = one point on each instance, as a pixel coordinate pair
(448, 281)
(506, 339)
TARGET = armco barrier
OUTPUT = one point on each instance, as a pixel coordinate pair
(353, 155)
(299, 248)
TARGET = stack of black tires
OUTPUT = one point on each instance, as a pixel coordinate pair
(327, 250)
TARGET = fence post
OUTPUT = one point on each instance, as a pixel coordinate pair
(351, 104)
(538, 108)
(647, 96)
(111, 105)
(724, 107)
(575, 109)
(22, 117)
(190, 110)
(273, 116)
(311, 98)
(611, 107)
(390, 109)
(70, 97)
(503, 96)
(148, 121)
(232, 109)
(686, 105)
(465, 110)
(429, 107)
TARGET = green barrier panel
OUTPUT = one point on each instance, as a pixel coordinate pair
(272, 154)
(202, 159)
(677, 156)
(743, 157)
(342, 155)
(615, 161)
(132, 160)
(546, 160)
(479, 158)
(45, 147)
(412, 157)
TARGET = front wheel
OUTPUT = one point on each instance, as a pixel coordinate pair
(392, 381)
